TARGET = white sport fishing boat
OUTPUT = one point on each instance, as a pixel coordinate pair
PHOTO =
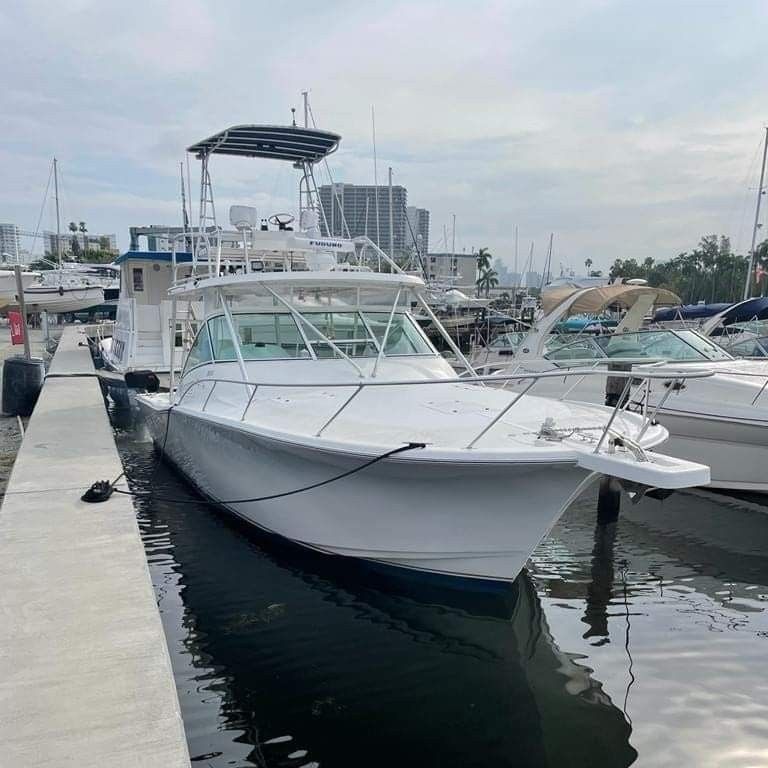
(313, 406)
(721, 420)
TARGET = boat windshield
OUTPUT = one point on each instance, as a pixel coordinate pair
(508, 340)
(276, 335)
(679, 345)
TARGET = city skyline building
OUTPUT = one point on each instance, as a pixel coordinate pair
(87, 241)
(10, 241)
(417, 235)
(351, 209)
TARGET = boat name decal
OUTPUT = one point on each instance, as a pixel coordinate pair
(327, 243)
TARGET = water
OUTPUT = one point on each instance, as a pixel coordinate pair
(641, 643)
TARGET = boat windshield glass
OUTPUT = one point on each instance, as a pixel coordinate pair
(276, 336)
(403, 337)
(200, 351)
(508, 340)
(680, 345)
(263, 336)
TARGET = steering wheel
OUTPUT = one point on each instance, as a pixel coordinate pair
(281, 219)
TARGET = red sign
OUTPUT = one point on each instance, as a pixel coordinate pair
(17, 327)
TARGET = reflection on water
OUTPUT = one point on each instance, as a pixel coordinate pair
(646, 636)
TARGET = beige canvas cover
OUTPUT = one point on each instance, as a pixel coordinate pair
(595, 300)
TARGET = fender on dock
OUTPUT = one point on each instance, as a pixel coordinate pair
(22, 382)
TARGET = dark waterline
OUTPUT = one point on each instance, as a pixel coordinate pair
(642, 642)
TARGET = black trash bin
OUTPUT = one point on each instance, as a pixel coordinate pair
(22, 382)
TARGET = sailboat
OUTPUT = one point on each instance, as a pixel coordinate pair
(57, 291)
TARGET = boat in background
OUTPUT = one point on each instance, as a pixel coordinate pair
(721, 421)
(8, 291)
(140, 338)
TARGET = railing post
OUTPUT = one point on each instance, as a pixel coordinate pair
(618, 407)
(344, 405)
(250, 400)
(501, 414)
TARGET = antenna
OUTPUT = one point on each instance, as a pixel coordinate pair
(305, 96)
(375, 178)
(391, 218)
(517, 274)
(293, 116)
(547, 263)
(184, 217)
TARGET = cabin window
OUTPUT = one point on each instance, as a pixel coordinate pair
(262, 337)
(403, 337)
(200, 351)
(138, 279)
(347, 331)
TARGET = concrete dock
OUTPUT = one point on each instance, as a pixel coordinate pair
(85, 675)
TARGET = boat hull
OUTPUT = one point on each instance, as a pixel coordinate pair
(470, 520)
(737, 452)
(62, 300)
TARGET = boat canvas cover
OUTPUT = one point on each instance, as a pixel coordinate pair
(689, 312)
(744, 311)
(275, 142)
(595, 300)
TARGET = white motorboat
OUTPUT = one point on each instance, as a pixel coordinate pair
(313, 406)
(721, 421)
(140, 337)
(62, 296)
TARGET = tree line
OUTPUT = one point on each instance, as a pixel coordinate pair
(711, 272)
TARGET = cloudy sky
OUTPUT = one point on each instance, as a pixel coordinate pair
(626, 128)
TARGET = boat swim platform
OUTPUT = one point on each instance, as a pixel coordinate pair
(85, 673)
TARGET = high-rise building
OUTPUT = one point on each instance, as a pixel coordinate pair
(417, 234)
(350, 209)
(94, 242)
(10, 241)
(459, 269)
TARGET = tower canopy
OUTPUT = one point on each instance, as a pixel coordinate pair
(275, 142)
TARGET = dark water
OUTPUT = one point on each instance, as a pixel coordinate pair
(643, 642)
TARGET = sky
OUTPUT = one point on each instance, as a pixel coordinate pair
(627, 129)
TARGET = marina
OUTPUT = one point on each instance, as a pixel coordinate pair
(383, 386)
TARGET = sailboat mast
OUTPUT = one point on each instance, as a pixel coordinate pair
(58, 217)
(752, 255)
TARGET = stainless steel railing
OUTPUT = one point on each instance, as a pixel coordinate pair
(673, 377)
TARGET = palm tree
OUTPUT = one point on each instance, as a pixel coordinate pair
(84, 230)
(487, 280)
(75, 245)
(483, 260)
(588, 265)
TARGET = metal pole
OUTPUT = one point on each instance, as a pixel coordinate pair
(751, 265)
(23, 308)
(375, 179)
(391, 219)
(305, 95)
(58, 220)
